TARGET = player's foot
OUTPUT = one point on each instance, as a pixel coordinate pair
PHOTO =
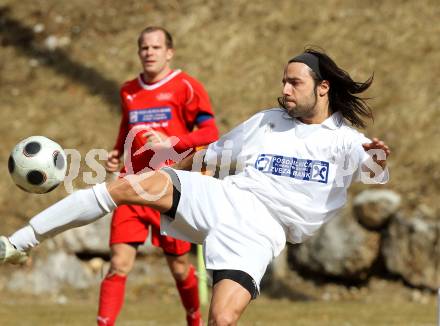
(8, 253)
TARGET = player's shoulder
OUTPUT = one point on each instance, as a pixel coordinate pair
(272, 114)
(347, 129)
(351, 136)
(185, 75)
(189, 80)
(337, 123)
(129, 85)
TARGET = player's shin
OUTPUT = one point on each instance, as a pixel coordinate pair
(189, 295)
(80, 208)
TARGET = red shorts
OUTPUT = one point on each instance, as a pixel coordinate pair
(130, 225)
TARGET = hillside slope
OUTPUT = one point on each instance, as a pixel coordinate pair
(61, 64)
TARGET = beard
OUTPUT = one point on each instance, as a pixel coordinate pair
(304, 109)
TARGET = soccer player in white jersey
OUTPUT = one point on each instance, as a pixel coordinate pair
(281, 175)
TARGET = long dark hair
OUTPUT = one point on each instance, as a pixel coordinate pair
(343, 88)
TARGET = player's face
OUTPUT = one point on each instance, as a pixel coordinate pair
(154, 55)
(299, 91)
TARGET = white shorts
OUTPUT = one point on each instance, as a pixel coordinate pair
(236, 229)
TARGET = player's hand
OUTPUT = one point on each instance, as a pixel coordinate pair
(113, 161)
(378, 144)
(156, 139)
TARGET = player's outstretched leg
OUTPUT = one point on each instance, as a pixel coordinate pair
(83, 207)
(9, 254)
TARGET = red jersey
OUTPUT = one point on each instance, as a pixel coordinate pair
(170, 106)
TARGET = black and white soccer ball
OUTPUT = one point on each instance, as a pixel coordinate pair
(37, 164)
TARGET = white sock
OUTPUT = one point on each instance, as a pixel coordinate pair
(24, 238)
(80, 208)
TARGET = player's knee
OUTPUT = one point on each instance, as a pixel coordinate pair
(180, 267)
(179, 273)
(223, 317)
(121, 191)
(120, 265)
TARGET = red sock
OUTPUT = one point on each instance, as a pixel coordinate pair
(189, 294)
(111, 299)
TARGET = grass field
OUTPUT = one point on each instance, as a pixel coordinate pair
(152, 299)
(263, 311)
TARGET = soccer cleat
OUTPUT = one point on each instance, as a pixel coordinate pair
(8, 253)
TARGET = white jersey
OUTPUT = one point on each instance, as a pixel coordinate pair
(300, 172)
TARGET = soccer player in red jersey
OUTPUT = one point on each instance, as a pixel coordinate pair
(160, 109)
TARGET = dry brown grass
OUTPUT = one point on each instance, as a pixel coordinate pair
(238, 49)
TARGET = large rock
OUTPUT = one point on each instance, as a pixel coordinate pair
(341, 249)
(411, 249)
(91, 239)
(50, 274)
(374, 208)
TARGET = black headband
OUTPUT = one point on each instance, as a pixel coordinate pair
(309, 59)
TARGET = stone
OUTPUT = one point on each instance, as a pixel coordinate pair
(340, 249)
(91, 239)
(411, 249)
(374, 208)
(50, 274)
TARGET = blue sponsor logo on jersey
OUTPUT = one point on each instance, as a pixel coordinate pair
(302, 169)
(150, 115)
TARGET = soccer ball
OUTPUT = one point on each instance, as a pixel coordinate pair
(37, 164)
